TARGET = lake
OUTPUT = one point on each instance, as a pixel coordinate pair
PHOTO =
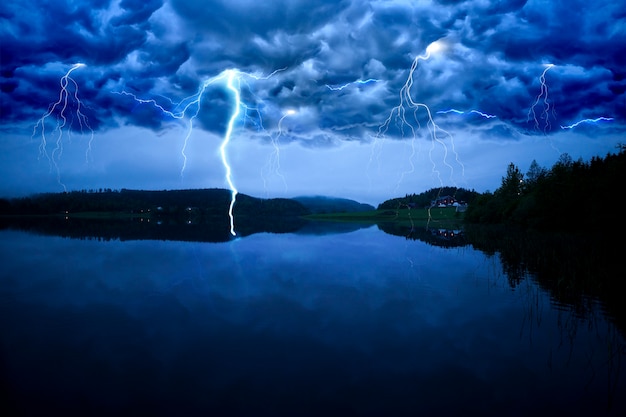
(346, 321)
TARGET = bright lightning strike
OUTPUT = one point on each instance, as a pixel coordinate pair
(401, 116)
(68, 106)
(361, 82)
(596, 120)
(548, 108)
(433, 48)
(455, 111)
(230, 75)
(189, 108)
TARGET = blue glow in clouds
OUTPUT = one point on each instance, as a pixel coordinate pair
(68, 106)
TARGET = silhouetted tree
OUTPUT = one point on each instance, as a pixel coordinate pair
(569, 196)
(512, 183)
(535, 173)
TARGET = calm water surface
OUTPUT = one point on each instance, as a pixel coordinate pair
(358, 323)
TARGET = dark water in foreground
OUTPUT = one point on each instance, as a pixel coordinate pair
(359, 323)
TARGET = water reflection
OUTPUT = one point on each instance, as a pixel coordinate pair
(437, 236)
(576, 270)
(188, 229)
(354, 323)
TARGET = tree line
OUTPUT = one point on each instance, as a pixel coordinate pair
(571, 195)
(205, 202)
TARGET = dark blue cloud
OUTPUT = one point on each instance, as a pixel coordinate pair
(239, 18)
(165, 50)
(136, 11)
(168, 48)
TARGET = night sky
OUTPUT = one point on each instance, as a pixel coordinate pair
(323, 109)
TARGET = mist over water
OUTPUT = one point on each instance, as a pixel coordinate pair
(314, 323)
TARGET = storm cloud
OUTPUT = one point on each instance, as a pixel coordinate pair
(162, 51)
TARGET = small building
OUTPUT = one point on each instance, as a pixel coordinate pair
(444, 201)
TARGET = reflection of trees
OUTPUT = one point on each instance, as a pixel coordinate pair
(574, 269)
(190, 227)
(579, 275)
(213, 229)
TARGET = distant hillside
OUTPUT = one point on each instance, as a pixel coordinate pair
(202, 202)
(321, 204)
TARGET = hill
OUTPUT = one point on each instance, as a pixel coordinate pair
(322, 205)
(201, 202)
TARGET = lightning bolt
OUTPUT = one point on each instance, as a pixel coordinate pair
(189, 108)
(190, 104)
(460, 112)
(273, 163)
(230, 77)
(405, 115)
(596, 120)
(362, 82)
(542, 97)
(68, 97)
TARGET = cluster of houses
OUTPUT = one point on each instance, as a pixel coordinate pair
(449, 201)
(445, 201)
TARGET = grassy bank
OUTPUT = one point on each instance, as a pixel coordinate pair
(440, 215)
